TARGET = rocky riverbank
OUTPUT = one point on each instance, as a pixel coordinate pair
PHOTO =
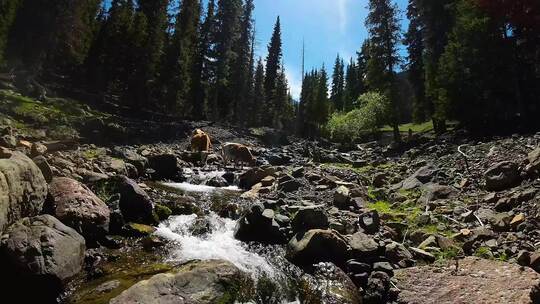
(93, 223)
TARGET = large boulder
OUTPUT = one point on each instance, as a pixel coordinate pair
(308, 218)
(135, 204)
(474, 281)
(342, 290)
(254, 176)
(502, 176)
(199, 282)
(363, 246)
(165, 166)
(79, 208)
(23, 188)
(40, 253)
(317, 245)
(259, 225)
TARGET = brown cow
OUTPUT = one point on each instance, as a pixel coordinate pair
(200, 141)
(237, 153)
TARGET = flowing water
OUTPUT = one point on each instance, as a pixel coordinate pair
(219, 243)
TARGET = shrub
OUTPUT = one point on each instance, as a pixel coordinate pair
(365, 119)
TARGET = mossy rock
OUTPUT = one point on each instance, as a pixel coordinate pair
(162, 212)
(138, 230)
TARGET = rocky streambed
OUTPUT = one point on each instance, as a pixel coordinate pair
(310, 223)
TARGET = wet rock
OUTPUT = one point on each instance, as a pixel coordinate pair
(217, 181)
(135, 204)
(137, 230)
(45, 168)
(40, 253)
(370, 222)
(363, 246)
(79, 208)
(152, 242)
(342, 197)
(165, 166)
(259, 225)
(25, 184)
(201, 226)
(162, 212)
(476, 281)
(377, 288)
(317, 245)
(307, 218)
(229, 177)
(195, 282)
(342, 290)
(502, 176)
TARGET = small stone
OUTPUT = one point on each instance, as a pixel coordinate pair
(517, 220)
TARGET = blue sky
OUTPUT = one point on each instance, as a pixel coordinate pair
(329, 27)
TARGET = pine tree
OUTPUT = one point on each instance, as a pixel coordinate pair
(322, 105)
(228, 23)
(384, 36)
(415, 66)
(256, 107)
(204, 72)
(338, 85)
(243, 64)
(273, 61)
(351, 80)
(437, 18)
(282, 111)
(53, 35)
(8, 12)
(181, 57)
(153, 49)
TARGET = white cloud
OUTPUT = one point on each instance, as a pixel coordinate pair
(342, 14)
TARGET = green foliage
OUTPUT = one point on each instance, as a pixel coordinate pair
(483, 252)
(366, 119)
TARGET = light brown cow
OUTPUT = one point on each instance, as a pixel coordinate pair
(237, 153)
(200, 141)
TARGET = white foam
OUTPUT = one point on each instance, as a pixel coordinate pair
(218, 244)
(187, 187)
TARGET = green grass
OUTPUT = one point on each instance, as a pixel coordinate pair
(57, 115)
(368, 169)
(416, 128)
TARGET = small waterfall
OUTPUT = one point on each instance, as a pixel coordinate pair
(219, 243)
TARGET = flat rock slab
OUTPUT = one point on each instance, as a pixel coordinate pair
(477, 281)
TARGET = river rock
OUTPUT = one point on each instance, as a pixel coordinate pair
(40, 253)
(132, 157)
(259, 225)
(79, 208)
(502, 176)
(476, 281)
(217, 181)
(342, 197)
(165, 166)
(317, 245)
(254, 176)
(45, 168)
(363, 246)
(198, 282)
(342, 291)
(23, 188)
(135, 204)
(307, 218)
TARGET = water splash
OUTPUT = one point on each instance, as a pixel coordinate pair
(187, 187)
(218, 244)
